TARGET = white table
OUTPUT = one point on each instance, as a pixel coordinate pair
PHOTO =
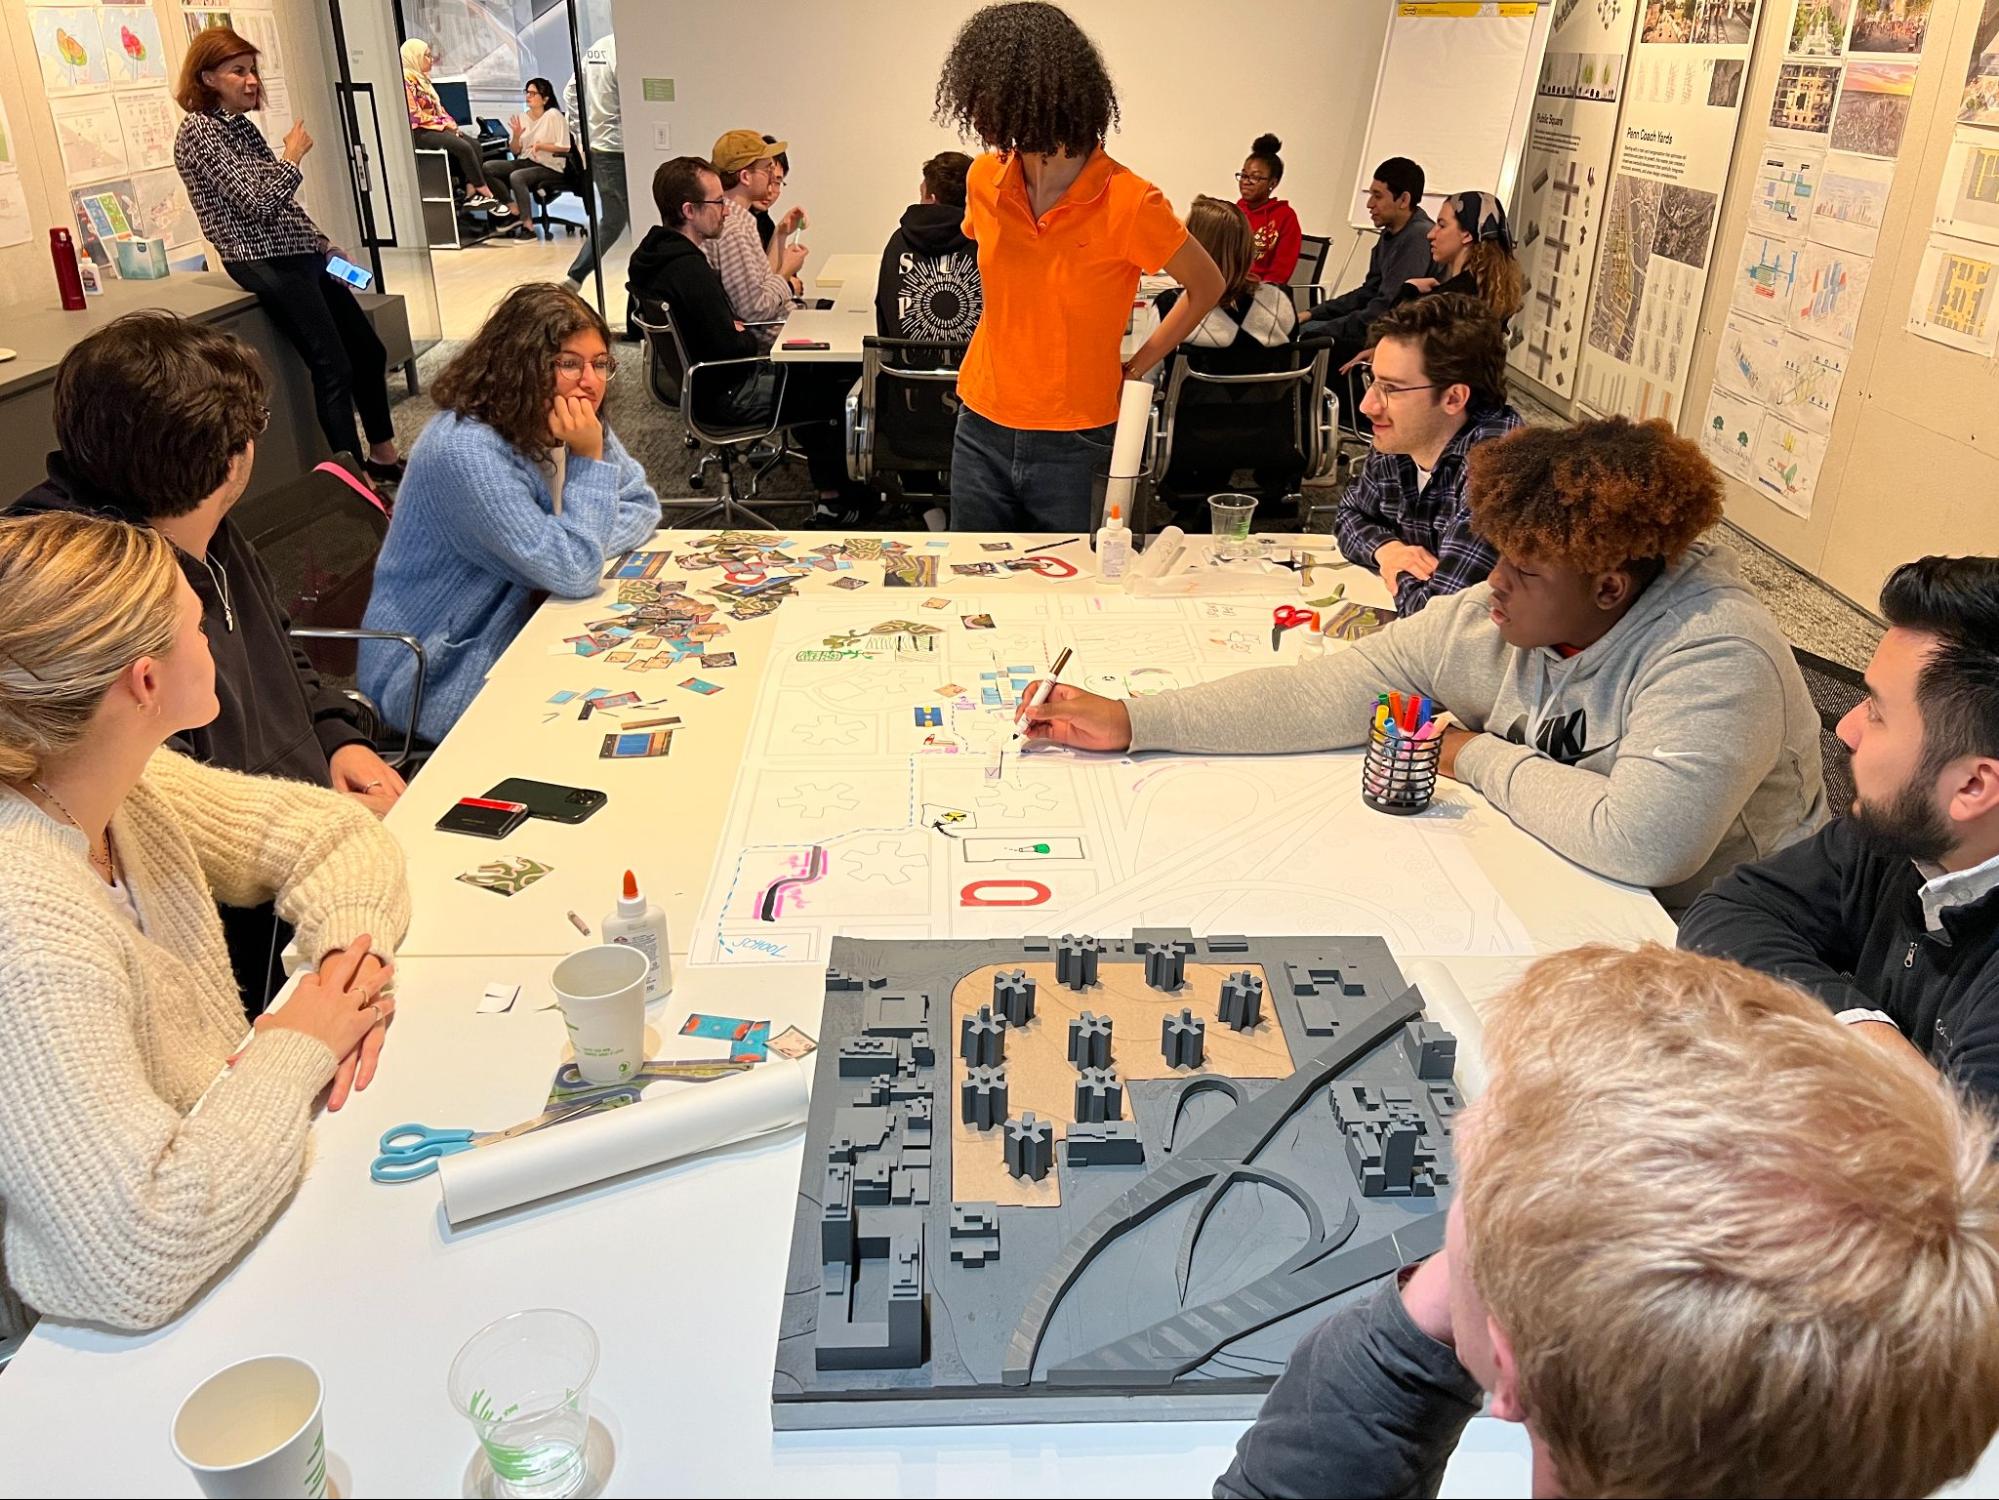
(681, 1269)
(849, 282)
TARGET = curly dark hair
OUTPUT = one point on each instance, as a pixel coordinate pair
(505, 377)
(1592, 497)
(1024, 77)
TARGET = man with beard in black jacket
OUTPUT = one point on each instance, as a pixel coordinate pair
(929, 286)
(1891, 915)
(157, 418)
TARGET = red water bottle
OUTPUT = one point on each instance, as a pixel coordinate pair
(69, 280)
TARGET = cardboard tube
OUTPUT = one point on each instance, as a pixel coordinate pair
(666, 1127)
(1128, 447)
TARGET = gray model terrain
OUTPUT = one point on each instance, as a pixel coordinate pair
(1205, 1222)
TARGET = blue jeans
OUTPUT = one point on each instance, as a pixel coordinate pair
(1006, 479)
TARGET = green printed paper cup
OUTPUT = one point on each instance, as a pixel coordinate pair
(603, 995)
(523, 1383)
(255, 1429)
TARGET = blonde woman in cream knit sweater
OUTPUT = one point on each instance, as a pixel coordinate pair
(119, 1198)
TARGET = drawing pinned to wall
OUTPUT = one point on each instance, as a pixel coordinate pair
(7, 163)
(1956, 288)
(1698, 23)
(1873, 108)
(103, 212)
(1818, 28)
(1786, 464)
(134, 55)
(1851, 202)
(1765, 273)
(1804, 99)
(1897, 26)
(198, 21)
(1751, 361)
(1968, 196)
(69, 45)
(1826, 295)
(1807, 388)
(15, 227)
(1979, 104)
(1728, 436)
(89, 137)
(1786, 184)
(163, 207)
(260, 29)
(275, 118)
(148, 120)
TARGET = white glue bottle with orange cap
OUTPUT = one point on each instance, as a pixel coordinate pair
(639, 924)
(1113, 543)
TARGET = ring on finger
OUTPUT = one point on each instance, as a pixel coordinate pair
(380, 1014)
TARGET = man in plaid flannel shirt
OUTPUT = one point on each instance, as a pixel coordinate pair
(1438, 387)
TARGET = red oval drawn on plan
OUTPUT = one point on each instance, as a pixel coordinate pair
(1052, 567)
(971, 894)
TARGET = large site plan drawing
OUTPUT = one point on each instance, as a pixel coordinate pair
(872, 801)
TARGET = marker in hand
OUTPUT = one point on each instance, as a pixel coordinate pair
(1041, 693)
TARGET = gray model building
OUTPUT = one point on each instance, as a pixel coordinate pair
(1192, 1226)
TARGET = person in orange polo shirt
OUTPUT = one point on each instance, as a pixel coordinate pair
(1064, 233)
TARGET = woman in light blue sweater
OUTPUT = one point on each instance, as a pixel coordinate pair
(516, 488)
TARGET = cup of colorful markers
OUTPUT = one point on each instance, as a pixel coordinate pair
(1404, 742)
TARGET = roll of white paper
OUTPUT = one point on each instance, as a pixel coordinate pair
(692, 1119)
(1128, 447)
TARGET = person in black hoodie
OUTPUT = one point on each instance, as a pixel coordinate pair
(1891, 915)
(670, 272)
(157, 419)
(929, 285)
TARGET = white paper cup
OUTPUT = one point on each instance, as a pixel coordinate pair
(255, 1429)
(603, 995)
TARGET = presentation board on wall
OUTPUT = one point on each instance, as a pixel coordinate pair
(1566, 177)
(1448, 71)
(1676, 140)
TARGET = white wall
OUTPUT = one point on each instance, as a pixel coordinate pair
(850, 85)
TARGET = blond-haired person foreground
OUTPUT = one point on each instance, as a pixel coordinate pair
(117, 1006)
(1706, 1242)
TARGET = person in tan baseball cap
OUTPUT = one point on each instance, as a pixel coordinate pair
(758, 281)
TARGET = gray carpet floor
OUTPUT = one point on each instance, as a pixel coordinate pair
(1813, 616)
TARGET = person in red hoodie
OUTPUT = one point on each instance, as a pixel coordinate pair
(1273, 223)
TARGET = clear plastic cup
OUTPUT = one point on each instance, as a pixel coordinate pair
(1230, 515)
(523, 1382)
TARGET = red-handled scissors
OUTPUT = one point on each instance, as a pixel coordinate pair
(1286, 616)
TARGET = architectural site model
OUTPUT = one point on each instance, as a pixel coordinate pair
(1073, 1178)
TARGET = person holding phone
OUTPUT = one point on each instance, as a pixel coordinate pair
(517, 488)
(143, 1143)
(247, 201)
(539, 139)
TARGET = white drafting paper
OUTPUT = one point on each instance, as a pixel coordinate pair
(1851, 203)
(260, 29)
(1807, 388)
(1786, 464)
(862, 776)
(164, 211)
(1956, 288)
(661, 1127)
(15, 228)
(1968, 196)
(1825, 299)
(1750, 360)
(148, 120)
(1787, 179)
(134, 56)
(89, 136)
(1728, 436)
(69, 46)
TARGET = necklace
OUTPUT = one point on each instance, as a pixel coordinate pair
(222, 588)
(108, 866)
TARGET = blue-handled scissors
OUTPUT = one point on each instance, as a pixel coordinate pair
(412, 1151)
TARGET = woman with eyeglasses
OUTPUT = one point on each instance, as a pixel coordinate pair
(516, 488)
(1273, 223)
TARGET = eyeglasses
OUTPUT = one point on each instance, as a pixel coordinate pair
(1369, 383)
(707, 202)
(1250, 177)
(572, 365)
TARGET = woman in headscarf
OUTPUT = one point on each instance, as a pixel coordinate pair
(433, 129)
(1473, 254)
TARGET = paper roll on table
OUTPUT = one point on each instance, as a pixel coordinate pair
(1128, 447)
(662, 1128)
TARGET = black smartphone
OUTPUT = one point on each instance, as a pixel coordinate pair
(544, 799)
(484, 817)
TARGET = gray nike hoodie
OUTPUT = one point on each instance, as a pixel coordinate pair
(1680, 745)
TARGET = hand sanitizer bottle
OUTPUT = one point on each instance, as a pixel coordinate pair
(1113, 543)
(639, 924)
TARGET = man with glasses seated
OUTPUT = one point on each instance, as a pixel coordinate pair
(1435, 388)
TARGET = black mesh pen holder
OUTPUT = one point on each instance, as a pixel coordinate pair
(1399, 774)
